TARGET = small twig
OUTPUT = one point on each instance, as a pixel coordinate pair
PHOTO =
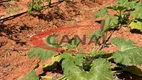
(106, 40)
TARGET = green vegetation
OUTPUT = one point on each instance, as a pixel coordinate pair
(98, 65)
(37, 5)
(125, 13)
(34, 5)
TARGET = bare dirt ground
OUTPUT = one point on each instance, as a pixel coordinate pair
(15, 33)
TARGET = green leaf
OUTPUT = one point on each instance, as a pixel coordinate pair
(37, 5)
(66, 56)
(107, 23)
(100, 70)
(114, 21)
(136, 25)
(132, 4)
(121, 8)
(101, 13)
(31, 76)
(137, 14)
(122, 4)
(94, 52)
(97, 35)
(110, 22)
(138, 5)
(133, 70)
(40, 53)
(70, 69)
(79, 59)
(128, 53)
(72, 72)
(122, 44)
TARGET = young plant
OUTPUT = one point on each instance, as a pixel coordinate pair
(125, 13)
(97, 65)
(36, 5)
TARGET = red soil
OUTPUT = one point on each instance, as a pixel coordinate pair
(16, 33)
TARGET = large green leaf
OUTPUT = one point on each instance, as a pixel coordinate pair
(100, 70)
(123, 44)
(132, 4)
(77, 59)
(71, 71)
(40, 53)
(137, 14)
(121, 5)
(31, 76)
(136, 25)
(128, 53)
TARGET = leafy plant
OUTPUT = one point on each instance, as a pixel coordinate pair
(34, 5)
(97, 65)
(40, 53)
(125, 13)
(37, 5)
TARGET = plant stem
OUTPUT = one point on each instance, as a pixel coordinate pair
(106, 40)
(62, 78)
(109, 58)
